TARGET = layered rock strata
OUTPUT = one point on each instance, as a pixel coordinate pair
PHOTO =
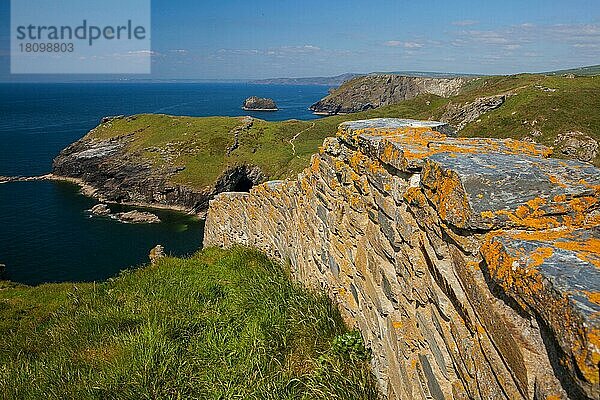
(373, 91)
(471, 266)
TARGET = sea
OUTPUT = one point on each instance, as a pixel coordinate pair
(46, 235)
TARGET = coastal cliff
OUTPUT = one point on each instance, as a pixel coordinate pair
(374, 91)
(469, 265)
(116, 169)
(182, 162)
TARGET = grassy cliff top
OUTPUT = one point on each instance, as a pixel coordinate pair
(222, 324)
(549, 105)
(583, 71)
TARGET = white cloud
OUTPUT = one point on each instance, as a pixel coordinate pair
(530, 33)
(512, 46)
(143, 53)
(393, 43)
(406, 45)
(307, 48)
(466, 22)
(277, 52)
(412, 45)
(487, 37)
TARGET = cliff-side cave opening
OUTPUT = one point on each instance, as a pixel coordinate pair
(239, 179)
(244, 184)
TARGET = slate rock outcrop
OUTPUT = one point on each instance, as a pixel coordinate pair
(137, 217)
(373, 91)
(460, 115)
(100, 209)
(471, 266)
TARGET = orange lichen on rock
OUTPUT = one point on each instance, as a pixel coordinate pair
(444, 188)
(415, 196)
(314, 166)
(487, 214)
(361, 164)
(522, 147)
(524, 265)
(564, 238)
(507, 269)
(425, 143)
(539, 214)
(594, 297)
(540, 255)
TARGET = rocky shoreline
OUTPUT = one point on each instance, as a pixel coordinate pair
(112, 172)
(109, 170)
(92, 192)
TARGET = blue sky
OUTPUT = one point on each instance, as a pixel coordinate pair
(232, 39)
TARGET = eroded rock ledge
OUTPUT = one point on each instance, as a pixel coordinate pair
(471, 266)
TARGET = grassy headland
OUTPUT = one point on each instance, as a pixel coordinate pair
(549, 105)
(219, 325)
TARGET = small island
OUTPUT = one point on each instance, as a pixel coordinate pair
(259, 104)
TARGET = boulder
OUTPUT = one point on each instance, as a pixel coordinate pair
(104, 120)
(138, 217)
(462, 115)
(259, 104)
(576, 145)
(156, 254)
(100, 210)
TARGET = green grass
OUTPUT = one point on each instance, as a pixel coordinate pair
(219, 325)
(582, 71)
(200, 144)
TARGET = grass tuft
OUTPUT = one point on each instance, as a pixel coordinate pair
(219, 325)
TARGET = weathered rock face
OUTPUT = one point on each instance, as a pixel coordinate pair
(100, 210)
(372, 91)
(462, 115)
(259, 104)
(120, 175)
(577, 145)
(128, 217)
(471, 266)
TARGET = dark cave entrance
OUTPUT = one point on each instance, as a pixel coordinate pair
(239, 178)
(244, 184)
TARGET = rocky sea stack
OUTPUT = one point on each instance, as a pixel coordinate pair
(259, 104)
